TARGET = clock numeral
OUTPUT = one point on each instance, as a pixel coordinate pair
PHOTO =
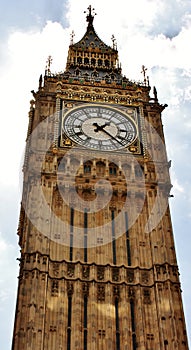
(122, 140)
(86, 141)
(76, 114)
(77, 126)
(70, 131)
(122, 130)
(120, 137)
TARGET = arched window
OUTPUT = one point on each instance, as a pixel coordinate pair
(106, 63)
(87, 167)
(86, 60)
(112, 169)
(126, 170)
(100, 168)
(77, 72)
(79, 60)
(138, 171)
(93, 61)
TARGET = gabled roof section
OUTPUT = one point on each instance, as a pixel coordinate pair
(91, 41)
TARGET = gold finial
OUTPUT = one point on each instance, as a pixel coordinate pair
(72, 35)
(90, 16)
(48, 64)
(114, 42)
(144, 69)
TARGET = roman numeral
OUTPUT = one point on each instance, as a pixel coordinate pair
(86, 140)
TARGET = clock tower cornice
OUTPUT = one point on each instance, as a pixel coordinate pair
(132, 94)
(128, 94)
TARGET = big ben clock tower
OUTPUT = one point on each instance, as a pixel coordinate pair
(98, 268)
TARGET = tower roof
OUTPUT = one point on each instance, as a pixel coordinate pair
(91, 55)
(91, 40)
(92, 61)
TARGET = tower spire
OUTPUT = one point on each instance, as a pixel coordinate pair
(90, 15)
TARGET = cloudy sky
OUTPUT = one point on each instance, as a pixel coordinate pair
(156, 33)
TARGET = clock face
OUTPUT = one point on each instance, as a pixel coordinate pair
(99, 127)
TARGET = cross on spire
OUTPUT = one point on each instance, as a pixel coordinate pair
(144, 69)
(72, 35)
(90, 15)
(114, 42)
(48, 64)
(146, 79)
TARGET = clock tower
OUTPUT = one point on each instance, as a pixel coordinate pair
(98, 268)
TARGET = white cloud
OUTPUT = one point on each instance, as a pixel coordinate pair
(8, 256)
(8, 286)
(26, 60)
(177, 187)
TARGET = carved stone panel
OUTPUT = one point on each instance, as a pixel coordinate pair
(100, 273)
(101, 292)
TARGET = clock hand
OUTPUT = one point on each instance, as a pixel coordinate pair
(100, 127)
(112, 137)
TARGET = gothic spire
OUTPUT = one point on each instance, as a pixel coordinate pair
(90, 15)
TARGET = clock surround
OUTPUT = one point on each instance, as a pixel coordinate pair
(99, 126)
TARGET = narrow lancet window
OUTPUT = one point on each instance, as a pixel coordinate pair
(71, 232)
(85, 234)
(127, 240)
(113, 237)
